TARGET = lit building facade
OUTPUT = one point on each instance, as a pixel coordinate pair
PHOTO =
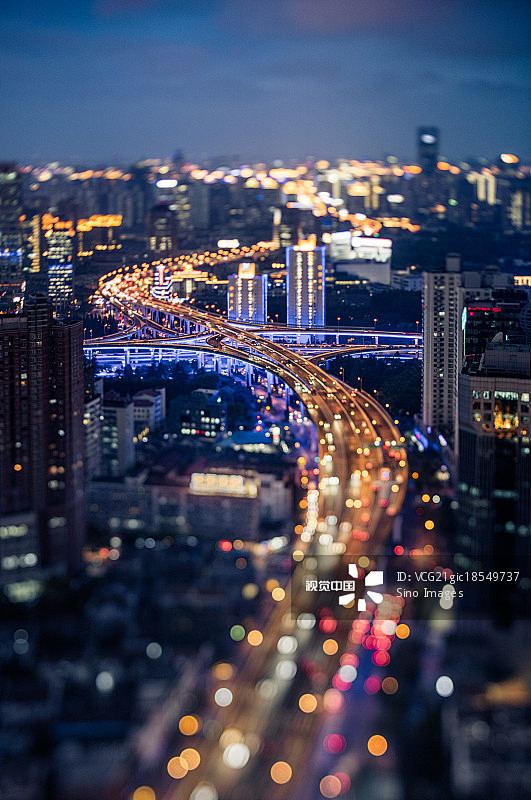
(60, 253)
(441, 314)
(247, 296)
(11, 244)
(305, 284)
(494, 490)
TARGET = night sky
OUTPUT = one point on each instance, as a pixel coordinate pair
(119, 80)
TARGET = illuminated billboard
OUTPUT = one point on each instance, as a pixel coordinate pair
(214, 483)
(366, 256)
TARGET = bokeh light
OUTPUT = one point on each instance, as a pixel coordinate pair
(307, 703)
(144, 793)
(281, 772)
(330, 786)
(330, 647)
(377, 745)
(255, 638)
(444, 686)
(402, 631)
(191, 758)
(188, 725)
(223, 697)
(177, 768)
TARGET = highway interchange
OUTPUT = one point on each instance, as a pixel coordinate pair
(351, 508)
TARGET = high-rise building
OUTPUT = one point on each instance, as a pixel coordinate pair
(60, 253)
(305, 284)
(428, 148)
(93, 422)
(11, 245)
(495, 468)
(162, 233)
(118, 433)
(41, 442)
(440, 316)
(247, 295)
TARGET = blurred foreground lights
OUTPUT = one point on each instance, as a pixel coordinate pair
(104, 682)
(377, 745)
(144, 793)
(223, 671)
(278, 594)
(287, 645)
(305, 621)
(307, 703)
(281, 772)
(389, 685)
(267, 689)
(444, 686)
(177, 768)
(330, 647)
(330, 786)
(188, 725)
(237, 633)
(250, 591)
(286, 670)
(255, 638)
(191, 758)
(402, 631)
(333, 701)
(223, 697)
(153, 650)
(204, 791)
(236, 755)
(348, 673)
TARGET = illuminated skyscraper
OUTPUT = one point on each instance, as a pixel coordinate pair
(305, 284)
(60, 253)
(247, 295)
(11, 250)
(440, 300)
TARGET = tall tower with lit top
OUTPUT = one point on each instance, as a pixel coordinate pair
(305, 284)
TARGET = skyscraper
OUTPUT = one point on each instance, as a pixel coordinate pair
(305, 284)
(11, 250)
(162, 233)
(247, 295)
(495, 468)
(428, 148)
(60, 253)
(440, 300)
(41, 441)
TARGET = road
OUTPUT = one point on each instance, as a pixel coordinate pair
(360, 449)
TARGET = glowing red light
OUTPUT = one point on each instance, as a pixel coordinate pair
(349, 658)
(399, 550)
(381, 658)
(339, 684)
(335, 743)
(328, 625)
(372, 685)
(225, 545)
(344, 780)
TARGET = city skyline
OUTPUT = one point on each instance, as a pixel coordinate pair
(127, 80)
